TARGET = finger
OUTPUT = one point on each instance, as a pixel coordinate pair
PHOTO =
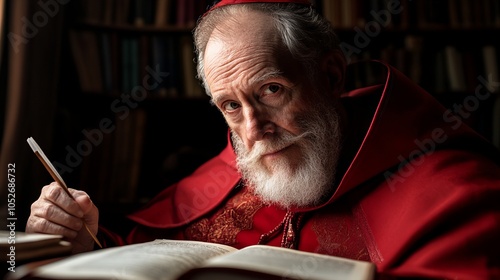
(83, 200)
(58, 196)
(48, 211)
(40, 225)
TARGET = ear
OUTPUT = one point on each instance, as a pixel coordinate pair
(334, 64)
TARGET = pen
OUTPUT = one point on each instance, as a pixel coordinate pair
(55, 175)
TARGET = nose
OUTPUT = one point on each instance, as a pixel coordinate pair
(257, 124)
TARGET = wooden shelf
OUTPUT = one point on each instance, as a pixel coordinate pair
(133, 29)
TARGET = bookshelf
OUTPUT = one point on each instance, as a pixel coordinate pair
(137, 120)
(448, 47)
(129, 82)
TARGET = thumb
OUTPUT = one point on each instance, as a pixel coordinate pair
(84, 241)
(90, 212)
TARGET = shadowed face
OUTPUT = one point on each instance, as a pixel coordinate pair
(285, 127)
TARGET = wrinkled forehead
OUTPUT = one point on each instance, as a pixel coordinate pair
(240, 36)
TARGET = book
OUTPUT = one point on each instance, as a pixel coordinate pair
(181, 259)
(108, 11)
(162, 12)
(93, 10)
(491, 69)
(159, 58)
(126, 63)
(106, 62)
(455, 69)
(347, 18)
(21, 247)
(454, 16)
(122, 11)
(414, 47)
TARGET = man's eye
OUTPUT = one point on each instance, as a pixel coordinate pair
(230, 106)
(273, 88)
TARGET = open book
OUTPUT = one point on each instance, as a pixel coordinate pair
(173, 259)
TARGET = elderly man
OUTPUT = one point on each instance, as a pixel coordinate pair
(381, 173)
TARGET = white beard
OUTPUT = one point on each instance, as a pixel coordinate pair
(301, 184)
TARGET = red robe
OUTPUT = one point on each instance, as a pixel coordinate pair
(418, 194)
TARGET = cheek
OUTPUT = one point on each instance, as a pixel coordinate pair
(290, 119)
(236, 129)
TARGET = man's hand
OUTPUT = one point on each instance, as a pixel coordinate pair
(55, 212)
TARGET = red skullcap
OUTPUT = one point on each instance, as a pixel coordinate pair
(232, 2)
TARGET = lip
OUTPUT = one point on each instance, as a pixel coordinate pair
(275, 153)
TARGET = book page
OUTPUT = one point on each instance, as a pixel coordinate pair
(293, 264)
(159, 259)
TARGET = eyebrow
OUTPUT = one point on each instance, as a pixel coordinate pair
(271, 73)
(215, 100)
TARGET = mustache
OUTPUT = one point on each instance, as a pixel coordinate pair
(271, 145)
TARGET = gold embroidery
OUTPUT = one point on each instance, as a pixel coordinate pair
(236, 216)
